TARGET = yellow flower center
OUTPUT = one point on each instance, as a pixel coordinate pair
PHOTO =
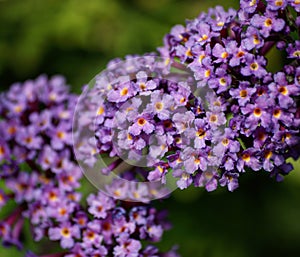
(201, 133)
(61, 134)
(160, 169)
(257, 112)
(283, 90)
(182, 100)
(268, 154)
(243, 93)
(189, 53)
(222, 81)
(203, 38)
(141, 121)
(142, 86)
(246, 157)
(11, 130)
(225, 141)
(62, 211)
(18, 108)
(129, 137)
(124, 91)
(240, 54)
(65, 232)
(296, 53)
(2, 150)
(268, 22)
(213, 118)
(277, 113)
(200, 58)
(197, 161)
(100, 110)
(52, 196)
(224, 55)
(256, 40)
(207, 73)
(28, 140)
(159, 106)
(254, 66)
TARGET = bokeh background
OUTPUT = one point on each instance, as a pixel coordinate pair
(77, 38)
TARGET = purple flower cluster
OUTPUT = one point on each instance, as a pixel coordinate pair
(40, 176)
(108, 227)
(222, 115)
(111, 228)
(36, 160)
(226, 52)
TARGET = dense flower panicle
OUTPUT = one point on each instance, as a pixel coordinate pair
(261, 108)
(160, 119)
(175, 125)
(40, 175)
(37, 164)
(110, 226)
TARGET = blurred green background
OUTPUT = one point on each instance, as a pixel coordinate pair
(77, 38)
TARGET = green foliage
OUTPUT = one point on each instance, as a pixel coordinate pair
(77, 38)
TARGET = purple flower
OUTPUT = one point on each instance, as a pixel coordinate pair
(122, 93)
(257, 113)
(28, 137)
(252, 39)
(142, 123)
(275, 5)
(226, 142)
(207, 179)
(293, 50)
(237, 52)
(185, 179)
(60, 136)
(254, 67)
(66, 233)
(200, 133)
(100, 205)
(160, 105)
(282, 90)
(230, 180)
(249, 158)
(243, 93)
(127, 247)
(220, 53)
(204, 33)
(267, 23)
(248, 6)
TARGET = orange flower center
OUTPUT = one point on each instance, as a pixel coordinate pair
(268, 22)
(257, 112)
(277, 113)
(283, 90)
(254, 66)
(213, 118)
(159, 106)
(201, 133)
(243, 93)
(225, 141)
(141, 121)
(246, 157)
(65, 232)
(124, 91)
